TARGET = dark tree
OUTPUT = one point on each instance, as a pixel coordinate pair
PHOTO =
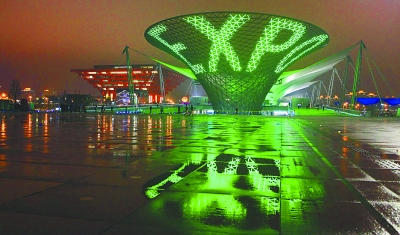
(15, 92)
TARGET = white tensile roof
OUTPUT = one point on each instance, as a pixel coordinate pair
(292, 81)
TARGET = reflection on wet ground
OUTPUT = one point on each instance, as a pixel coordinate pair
(170, 174)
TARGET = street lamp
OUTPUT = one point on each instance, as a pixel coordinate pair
(47, 101)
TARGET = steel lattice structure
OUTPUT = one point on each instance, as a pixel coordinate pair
(236, 57)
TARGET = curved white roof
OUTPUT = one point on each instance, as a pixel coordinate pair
(292, 81)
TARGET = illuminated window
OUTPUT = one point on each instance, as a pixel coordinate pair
(118, 72)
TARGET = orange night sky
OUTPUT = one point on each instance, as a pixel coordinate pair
(41, 41)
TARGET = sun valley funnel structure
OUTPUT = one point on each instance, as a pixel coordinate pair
(236, 57)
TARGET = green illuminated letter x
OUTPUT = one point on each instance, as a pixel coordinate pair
(220, 39)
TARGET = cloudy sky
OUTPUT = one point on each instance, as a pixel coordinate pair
(41, 41)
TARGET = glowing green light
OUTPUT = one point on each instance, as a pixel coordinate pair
(251, 166)
(156, 31)
(271, 205)
(234, 54)
(317, 39)
(174, 178)
(273, 181)
(220, 39)
(199, 204)
(275, 26)
(263, 183)
(278, 164)
(260, 182)
(212, 167)
(152, 192)
(218, 181)
(196, 158)
(232, 166)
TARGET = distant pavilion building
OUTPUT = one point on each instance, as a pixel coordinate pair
(112, 80)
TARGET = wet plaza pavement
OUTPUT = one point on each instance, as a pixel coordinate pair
(204, 174)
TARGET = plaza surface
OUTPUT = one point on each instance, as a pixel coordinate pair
(204, 174)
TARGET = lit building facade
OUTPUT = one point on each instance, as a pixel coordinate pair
(236, 57)
(28, 93)
(112, 80)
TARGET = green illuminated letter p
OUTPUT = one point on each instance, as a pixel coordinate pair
(270, 33)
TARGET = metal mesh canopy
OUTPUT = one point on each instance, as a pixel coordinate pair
(236, 57)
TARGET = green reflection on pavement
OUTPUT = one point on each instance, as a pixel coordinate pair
(233, 208)
(152, 192)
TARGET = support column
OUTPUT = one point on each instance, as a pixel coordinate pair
(161, 83)
(129, 72)
(357, 74)
(345, 75)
